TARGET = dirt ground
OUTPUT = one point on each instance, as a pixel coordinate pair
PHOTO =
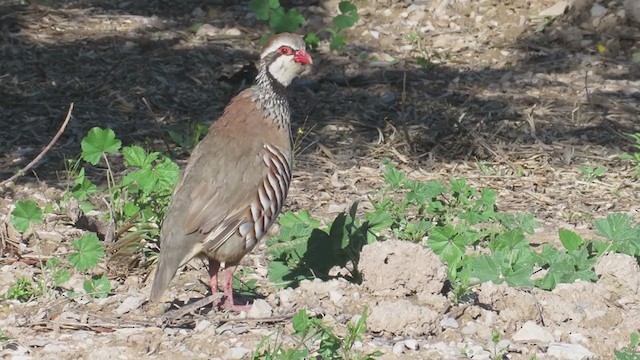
(487, 90)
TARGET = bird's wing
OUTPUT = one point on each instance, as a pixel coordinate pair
(221, 185)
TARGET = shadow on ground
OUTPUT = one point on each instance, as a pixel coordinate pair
(141, 71)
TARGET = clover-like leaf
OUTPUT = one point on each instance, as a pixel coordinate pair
(97, 142)
(26, 213)
(88, 252)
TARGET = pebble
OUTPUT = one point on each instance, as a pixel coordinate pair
(54, 348)
(569, 351)
(260, 309)
(197, 12)
(532, 332)
(130, 303)
(233, 32)
(202, 325)
(477, 352)
(335, 296)
(598, 10)
(398, 348)
(237, 353)
(207, 30)
(411, 344)
(449, 323)
(555, 10)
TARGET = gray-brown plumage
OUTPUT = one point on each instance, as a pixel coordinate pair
(237, 178)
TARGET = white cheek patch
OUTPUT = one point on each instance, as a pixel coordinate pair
(283, 69)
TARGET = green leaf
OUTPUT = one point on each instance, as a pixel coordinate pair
(97, 142)
(570, 240)
(312, 40)
(616, 227)
(88, 252)
(278, 270)
(393, 177)
(289, 21)
(514, 267)
(262, 8)
(26, 213)
(97, 286)
(347, 7)
(512, 239)
(60, 276)
(442, 242)
(301, 322)
(337, 42)
(136, 156)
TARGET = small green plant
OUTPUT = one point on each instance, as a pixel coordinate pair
(187, 137)
(629, 352)
(25, 214)
(497, 348)
(303, 250)
(25, 289)
(5, 339)
(314, 339)
(136, 202)
(88, 251)
(591, 173)
(290, 20)
(635, 156)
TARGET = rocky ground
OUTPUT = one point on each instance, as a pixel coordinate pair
(490, 90)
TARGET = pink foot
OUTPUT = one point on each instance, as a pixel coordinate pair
(228, 303)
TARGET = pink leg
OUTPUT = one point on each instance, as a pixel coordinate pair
(228, 292)
(214, 266)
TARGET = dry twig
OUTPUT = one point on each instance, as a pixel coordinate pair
(43, 152)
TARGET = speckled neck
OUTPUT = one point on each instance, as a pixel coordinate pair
(271, 95)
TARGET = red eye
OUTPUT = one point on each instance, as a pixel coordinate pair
(285, 50)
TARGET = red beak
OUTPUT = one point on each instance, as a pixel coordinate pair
(302, 57)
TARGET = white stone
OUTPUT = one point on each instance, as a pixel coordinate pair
(449, 323)
(532, 332)
(411, 344)
(555, 10)
(598, 10)
(236, 353)
(569, 351)
(335, 296)
(260, 309)
(398, 348)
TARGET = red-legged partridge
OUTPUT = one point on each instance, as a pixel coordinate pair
(237, 177)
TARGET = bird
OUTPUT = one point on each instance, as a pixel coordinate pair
(237, 177)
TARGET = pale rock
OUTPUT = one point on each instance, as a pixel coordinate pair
(233, 32)
(477, 352)
(207, 30)
(335, 296)
(411, 344)
(632, 7)
(237, 353)
(202, 325)
(470, 329)
(556, 9)
(130, 303)
(578, 338)
(449, 323)
(569, 351)
(197, 12)
(398, 348)
(532, 332)
(598, 10)
(260, 309)
(54, 348)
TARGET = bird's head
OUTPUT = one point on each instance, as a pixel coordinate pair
(285, 57)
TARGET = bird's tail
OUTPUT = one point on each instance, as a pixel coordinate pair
(172, 257)
(165, 271)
